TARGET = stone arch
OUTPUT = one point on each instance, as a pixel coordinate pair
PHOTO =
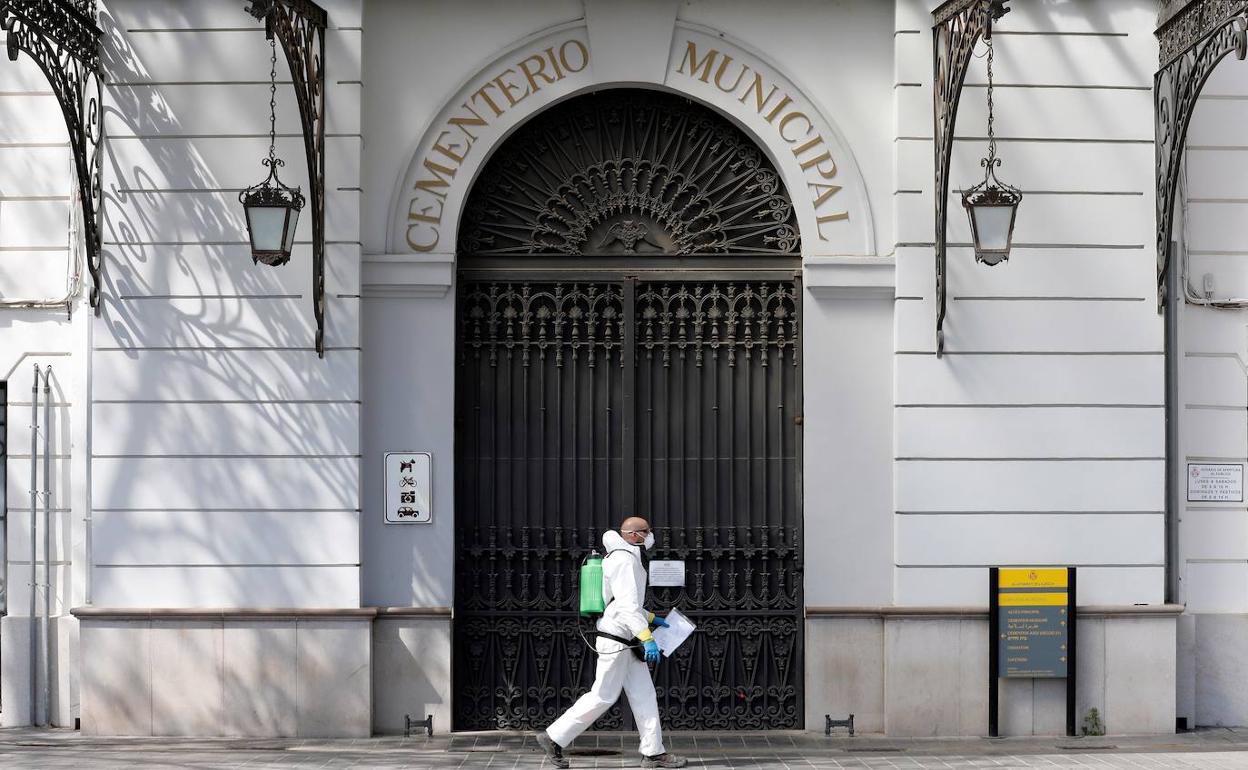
(813, 162)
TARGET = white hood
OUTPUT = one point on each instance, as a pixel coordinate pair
(614, 541)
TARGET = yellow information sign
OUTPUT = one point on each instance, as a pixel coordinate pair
(1050, 577)
(1051, 599)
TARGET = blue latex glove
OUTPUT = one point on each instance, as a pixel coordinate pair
(659, 622)
(652, 650)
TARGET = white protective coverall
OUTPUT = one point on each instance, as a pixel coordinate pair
(623, 588)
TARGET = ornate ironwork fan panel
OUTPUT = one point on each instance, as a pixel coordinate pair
(629, 172)
(581, 402)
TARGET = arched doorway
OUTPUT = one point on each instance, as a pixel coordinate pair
(628, 342)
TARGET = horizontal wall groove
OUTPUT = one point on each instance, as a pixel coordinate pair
(211, 401)
(1136, 565)
(19, 456)
(40, 510)
(175, 137)
(217, 348)
(1032, 352)
(1030, 513)
(1129, 193)
(1048, 33)
(1029, 406)
(1039, 298)
(257, 29)
(1062, 86)
(130, 297)
(1036, 139)
(1216, 407)
(1026, 459)
(226, 510)
(155, 83)
(240, 565)
(1195, 507)
(1081, 246)
(226, 456)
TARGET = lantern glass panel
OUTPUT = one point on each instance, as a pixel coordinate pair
(992, 225)
(291, 222)
(266, 225)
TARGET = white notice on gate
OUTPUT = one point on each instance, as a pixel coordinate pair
(1215, 483)
(667, 574)
(678, 629)
(409, 495)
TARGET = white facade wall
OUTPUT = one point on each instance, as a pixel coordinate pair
(38, 259)
(1039, 437)
(230, 480)
(1212, 392)
(208, 401)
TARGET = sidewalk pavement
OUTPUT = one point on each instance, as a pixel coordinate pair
(1205, 749)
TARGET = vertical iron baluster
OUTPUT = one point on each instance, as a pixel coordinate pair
(628, 387)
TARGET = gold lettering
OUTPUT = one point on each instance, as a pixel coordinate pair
(756, 88)
(789, 118)
(822, 192)
(776, 111)
(821, 221)
(438, 180)
(462, 124)
(481, 93)
(423, 214)
(416, 245)
(554, 62)
(719, 75)
(563, 57)
(539, 72)
(691, 57)
(507, 88)
(818, 140)
(447, 149)
(814, 163)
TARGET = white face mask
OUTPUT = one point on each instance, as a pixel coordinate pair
(649, 541)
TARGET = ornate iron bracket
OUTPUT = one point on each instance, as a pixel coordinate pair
(958, 26)
(64, 40)
(1194, 36)
(300, 29)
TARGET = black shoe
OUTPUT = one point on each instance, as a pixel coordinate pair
(554, 752)
(666, 759)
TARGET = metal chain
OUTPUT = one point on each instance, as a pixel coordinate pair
(992, 139)
(272, 100)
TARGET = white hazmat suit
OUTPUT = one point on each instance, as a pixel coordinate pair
(623, 589)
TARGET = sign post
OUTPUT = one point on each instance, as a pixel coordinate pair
(1031, 623)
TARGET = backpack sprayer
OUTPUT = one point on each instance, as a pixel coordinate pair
(592, 604)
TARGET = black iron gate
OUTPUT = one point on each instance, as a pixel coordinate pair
(590, 391)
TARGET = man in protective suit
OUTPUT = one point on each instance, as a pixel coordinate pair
(623, 620)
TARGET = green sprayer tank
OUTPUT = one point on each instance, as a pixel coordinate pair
(591, 585)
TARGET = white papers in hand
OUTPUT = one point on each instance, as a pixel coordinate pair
(678, 629)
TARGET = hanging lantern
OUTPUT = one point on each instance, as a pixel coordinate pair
(991, 204)
(272, 208)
